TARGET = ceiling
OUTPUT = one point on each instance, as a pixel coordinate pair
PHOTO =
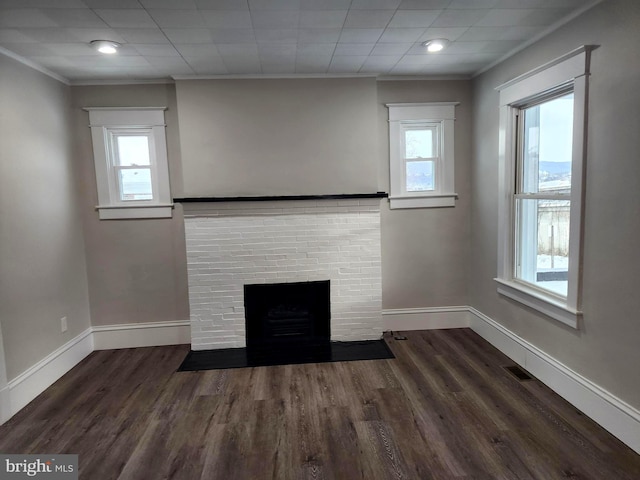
(176, 38)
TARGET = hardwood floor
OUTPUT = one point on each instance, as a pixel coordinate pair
(443, 409)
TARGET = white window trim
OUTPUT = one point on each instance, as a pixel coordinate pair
(572, 68)
(103, 121)
(442, 114)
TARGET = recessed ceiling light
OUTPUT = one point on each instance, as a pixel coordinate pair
(105, 46)
(436, 45)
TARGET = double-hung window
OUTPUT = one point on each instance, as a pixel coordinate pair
(421, 142)
(130, 158)
(542, 197)
(135, 175)
(542, 158)
(420, 154)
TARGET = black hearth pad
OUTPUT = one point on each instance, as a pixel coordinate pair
(273, 355)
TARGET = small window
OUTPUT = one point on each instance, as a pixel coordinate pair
(542, 154)
(131, 163)
(132, 166)
(421, 155)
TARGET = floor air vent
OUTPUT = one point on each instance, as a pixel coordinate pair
(518, 372)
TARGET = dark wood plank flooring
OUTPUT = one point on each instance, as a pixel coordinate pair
(445, 408)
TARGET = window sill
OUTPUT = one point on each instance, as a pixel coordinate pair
(423, 201)
(118, 212)
(549, 306)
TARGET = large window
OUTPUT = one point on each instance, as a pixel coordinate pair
(131, 162)
(543, 193)
(421, 141)
(542, 153)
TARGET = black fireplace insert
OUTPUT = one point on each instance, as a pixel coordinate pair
(290, 314)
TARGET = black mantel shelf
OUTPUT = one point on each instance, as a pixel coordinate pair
(341, 196)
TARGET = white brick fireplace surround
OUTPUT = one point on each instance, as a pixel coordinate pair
(230, 244)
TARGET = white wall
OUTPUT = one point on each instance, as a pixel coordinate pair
(605, 348)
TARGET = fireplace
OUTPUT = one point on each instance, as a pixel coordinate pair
(283, 314)
(236, 247)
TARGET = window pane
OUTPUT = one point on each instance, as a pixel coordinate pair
(135, 184)
(547, 149)
(419, 143)
(419, 176)
(133, 150)
(543, 243)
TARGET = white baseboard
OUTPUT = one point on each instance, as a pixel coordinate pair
(432, 318)
(5, 404)
(32, 382)
(618, 417)
(134, 335)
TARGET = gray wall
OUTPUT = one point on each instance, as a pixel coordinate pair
(605, 349)
(42, 253)
(425, 251)
(251, 137)
(278, 137)
(136, 268)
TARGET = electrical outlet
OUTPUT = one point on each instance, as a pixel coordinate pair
(63, 324)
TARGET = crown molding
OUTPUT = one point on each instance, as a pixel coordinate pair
(151, 81)
(293, 76)
(400, 78)
(34, 66)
